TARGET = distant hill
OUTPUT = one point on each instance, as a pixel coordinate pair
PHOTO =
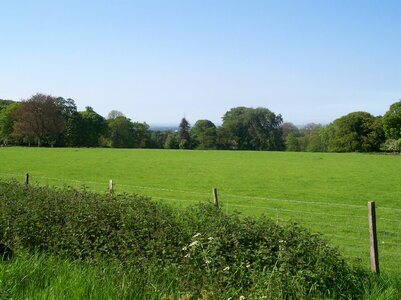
(163, 127)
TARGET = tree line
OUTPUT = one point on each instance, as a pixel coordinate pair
(45, 120)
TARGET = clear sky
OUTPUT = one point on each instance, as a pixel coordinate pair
(157, 61)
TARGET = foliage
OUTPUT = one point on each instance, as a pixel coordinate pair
(94, 126)
(289, 128)
(4, 103)
(392, 145)
(141, 135)
(243, 128)
(158, 138)
(72, 134)
(356, 132)
(7, 111)
(310, 139)
(172, 140)
(204, 132)
(245, 180)
(121, 132)
(209, 249)
(292, 142)
(253, 128)
(392, 121)
(184, 141)
(39, 118)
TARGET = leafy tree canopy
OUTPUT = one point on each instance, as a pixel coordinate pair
(204, 133)
(253, 128)
(392, 121)
(39, 118)
(93, 127)
(356, 132)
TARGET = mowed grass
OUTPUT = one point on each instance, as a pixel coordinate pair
(325, 192)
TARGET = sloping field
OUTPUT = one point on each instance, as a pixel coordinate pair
(327, 193)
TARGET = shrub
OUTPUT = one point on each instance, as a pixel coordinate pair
(202, 249)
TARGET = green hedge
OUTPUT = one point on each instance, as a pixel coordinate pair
(201, 248)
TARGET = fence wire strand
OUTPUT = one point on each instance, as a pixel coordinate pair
(335, 225)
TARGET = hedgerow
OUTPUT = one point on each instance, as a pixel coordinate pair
(200, 249)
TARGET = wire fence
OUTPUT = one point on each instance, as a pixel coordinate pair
(344, 225)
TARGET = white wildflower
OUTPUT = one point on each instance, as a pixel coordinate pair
(226, 269)
(193, 244)
(248, 265)
(196, 235)
(187, 256)
(241, 297)
(208, 261)
(185, 248)
(210, 238)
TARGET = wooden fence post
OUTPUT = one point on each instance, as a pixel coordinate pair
(26, 178)
(216, 200)
(111, 187)
(374, 252)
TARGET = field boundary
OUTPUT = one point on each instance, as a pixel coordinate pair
(344, 224)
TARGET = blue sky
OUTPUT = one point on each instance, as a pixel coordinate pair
(157, 61)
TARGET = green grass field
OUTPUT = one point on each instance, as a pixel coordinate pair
(327, 193)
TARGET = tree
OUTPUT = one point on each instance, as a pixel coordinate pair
(291, 136)
(172, 140)
(356, 132)
(114, 114)
(7, 120)
(5, 103)
(184, 135)
(39, 118)
(93, 127)
(121, 132)
(310, 138)
(204, 134)
(287, 128)
(141, 135)
(158, 139)
(292, 142)
(392, 121)
(254, 128)
(71, 136)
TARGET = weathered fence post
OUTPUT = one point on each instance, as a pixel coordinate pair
(26, 178)
(216, 200)
(374, 252)
(111, 187)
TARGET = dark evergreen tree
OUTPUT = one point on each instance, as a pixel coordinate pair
(184, 135)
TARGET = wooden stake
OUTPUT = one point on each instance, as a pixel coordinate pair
(216, 200)
(374, 252)
(26, 178)
(111, 187)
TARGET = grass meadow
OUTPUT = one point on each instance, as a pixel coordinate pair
(325, 192)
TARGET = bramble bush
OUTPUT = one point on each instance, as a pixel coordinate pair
(201, 250)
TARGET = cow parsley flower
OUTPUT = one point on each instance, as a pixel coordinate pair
(193, 244)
